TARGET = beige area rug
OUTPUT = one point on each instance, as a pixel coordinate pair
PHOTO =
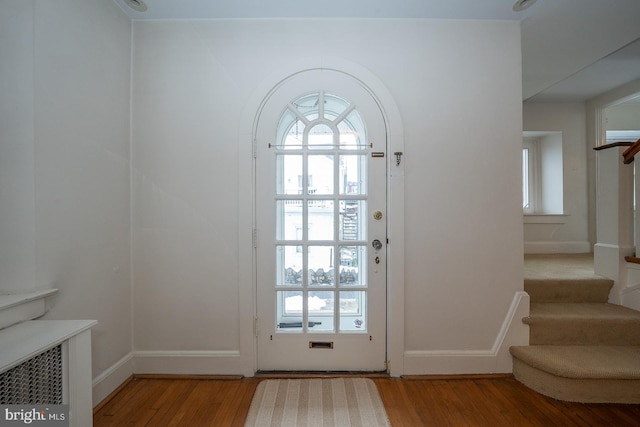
(317, 402)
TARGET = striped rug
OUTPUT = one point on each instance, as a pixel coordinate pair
(317, 402)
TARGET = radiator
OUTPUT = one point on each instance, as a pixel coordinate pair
(48, 362)
(38, 380)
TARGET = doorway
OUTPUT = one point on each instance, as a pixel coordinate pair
(321, 226)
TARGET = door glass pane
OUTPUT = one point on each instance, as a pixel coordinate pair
(334, 106)
(290, 131)
(320, 219)
(320, 262)
(320, 136)
(352, 132)
(321, 310)
(289, 220)
(353, 259)
(308, 105)
(289, 311)
(289, 174)
(289, 265)
(352, 220)
(353, 311)
(352, 174)
(319, 249)
(321, 174)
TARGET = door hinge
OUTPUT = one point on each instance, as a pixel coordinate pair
(254, 237)
(255, 327)
(254, 148)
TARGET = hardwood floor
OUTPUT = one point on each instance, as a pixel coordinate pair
(415, 401)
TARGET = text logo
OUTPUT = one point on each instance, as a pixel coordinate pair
(34, 415)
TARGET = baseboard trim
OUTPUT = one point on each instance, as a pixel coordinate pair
(187, 377)
(455, 377)
(189, 362)
(490, 361)
(112, 378)
(112, 395)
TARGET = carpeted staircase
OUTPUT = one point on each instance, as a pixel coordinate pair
(582, 349)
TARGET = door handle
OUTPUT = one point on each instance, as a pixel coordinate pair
(377, 244)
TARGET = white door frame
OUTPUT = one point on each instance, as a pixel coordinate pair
(395, 207)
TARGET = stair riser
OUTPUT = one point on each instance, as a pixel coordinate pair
(593, 290)
(584, 333)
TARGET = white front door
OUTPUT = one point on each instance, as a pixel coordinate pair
(321, 226)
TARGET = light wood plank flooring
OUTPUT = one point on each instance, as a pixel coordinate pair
(417, 401)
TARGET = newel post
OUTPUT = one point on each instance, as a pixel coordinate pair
(614, 216)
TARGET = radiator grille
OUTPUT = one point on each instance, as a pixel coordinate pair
(36, 381)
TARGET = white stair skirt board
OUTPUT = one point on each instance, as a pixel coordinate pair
(494, 360)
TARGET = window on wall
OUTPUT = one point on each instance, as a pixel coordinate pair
(529, 176)
(542, 182)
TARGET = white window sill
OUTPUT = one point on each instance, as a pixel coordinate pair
(545, 218)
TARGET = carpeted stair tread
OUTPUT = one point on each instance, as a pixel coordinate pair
(583, 362)
(582, 324)
(589, 289)
(581, 348)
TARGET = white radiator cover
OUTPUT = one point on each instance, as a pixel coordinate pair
(49, 348)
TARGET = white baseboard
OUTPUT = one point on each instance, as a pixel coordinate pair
(189, 362)
(169, 363)
(550, 247)
(494, 360)
(110, 379)
(432, 362)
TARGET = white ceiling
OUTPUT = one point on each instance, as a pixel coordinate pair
(572, 50)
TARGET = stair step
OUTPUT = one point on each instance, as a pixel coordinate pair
(582, 323)
(578, 373)
(595, 289)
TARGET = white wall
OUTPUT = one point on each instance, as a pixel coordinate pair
(456, 86)
(17, 210)
(65, 162)
(458, 89)
(571, 232)
(622, 117)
